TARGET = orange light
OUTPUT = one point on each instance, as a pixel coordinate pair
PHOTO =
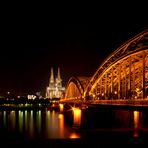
(74, 135)
(61, 107)
(136, 123)
(136, 119)
(61, 124)
(77, 116)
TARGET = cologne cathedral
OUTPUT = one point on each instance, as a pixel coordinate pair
(55, 89)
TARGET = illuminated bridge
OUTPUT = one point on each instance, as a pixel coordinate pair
(76, 87)
(122, 76)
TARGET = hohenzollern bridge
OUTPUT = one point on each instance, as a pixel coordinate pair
(121, 78)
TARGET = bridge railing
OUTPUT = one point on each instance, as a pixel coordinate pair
(134, 102)
(121, 102)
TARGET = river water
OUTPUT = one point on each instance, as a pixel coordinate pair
(103, 125)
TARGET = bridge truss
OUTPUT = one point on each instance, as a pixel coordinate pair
(124, 74)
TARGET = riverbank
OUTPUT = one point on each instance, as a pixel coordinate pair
(29, 106)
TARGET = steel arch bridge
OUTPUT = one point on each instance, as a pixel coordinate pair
(75, 87)
(123, 75)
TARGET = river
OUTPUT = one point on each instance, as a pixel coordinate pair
(99, 125)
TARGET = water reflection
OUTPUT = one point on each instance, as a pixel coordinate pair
(77, 117)
(55, 127)
(39, 120)
(26, 127)
(20, 121)
(136, 124)
(61, 125)
(61, 107)
(74, 135)
(12, 119)
(30, 124)
(4, 118)
(50, 124)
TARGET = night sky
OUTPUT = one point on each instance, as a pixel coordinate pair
(29, 50)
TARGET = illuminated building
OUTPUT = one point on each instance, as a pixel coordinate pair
(32, 97)
(55, 89)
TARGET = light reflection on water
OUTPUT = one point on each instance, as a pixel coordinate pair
(61, 107)
(77, 116)
(61, 125)
(30, 124)
(39, 121)
(136, 123)
(4, 118)
(35, 124)
(74, 135)
(12, 120)
(48, 124)
(20, 119)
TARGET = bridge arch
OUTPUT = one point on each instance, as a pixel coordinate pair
(124, 74)
(75, 87)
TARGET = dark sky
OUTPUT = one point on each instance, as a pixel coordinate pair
(29, 50)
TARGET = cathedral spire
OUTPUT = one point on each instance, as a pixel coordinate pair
(51, 82)
(59, 80)
(59, 76)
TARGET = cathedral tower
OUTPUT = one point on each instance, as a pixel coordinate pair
(55, 89)
(59, 80)
(51, 81)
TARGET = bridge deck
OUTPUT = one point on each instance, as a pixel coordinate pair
(128, 104)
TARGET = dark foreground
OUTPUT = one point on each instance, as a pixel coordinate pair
(69, 143)
(109, 140)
